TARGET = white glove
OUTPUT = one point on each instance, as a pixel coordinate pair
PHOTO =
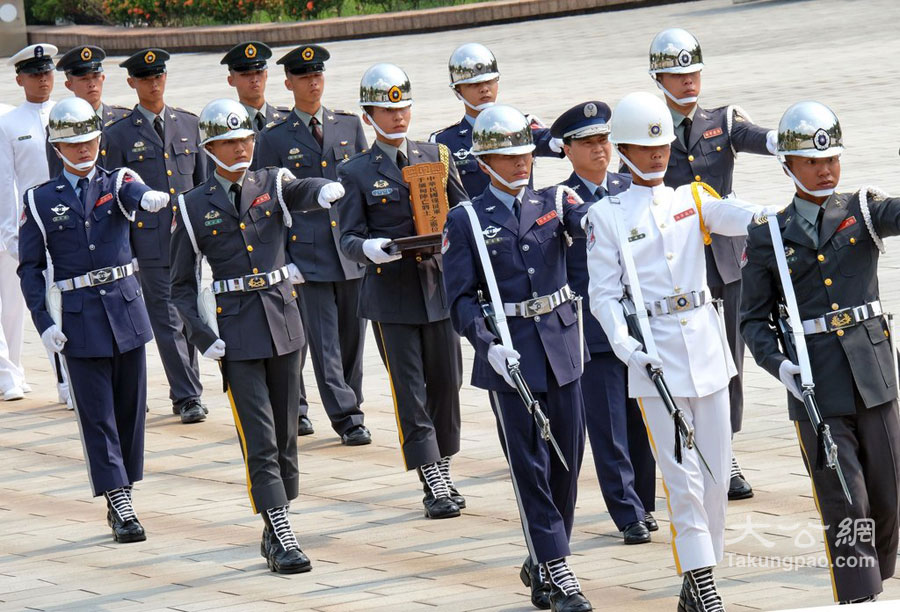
(373, 248)
(216, 350)
(53, 339)
(640, 360)
(788, 372)
(556, 145)
(154, 201)
(772, 141)
(330, 193)
(295, 275)
(497, 356)
(13, 247)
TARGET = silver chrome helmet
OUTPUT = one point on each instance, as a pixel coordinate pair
(501, 130)
(472, 63)
(385, 85)
(676, 51)
(809, 129)
(73, 120)
(224, 119)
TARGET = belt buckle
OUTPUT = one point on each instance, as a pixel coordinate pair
(255, 282)
(680, 302)
(101, 276)
(538, 306)
(839, 319)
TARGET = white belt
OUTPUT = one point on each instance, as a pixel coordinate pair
(540, 305)
(251, 282)
(679, 303)
(843, 318)
(96, 277)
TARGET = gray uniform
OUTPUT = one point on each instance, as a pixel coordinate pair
(329, 297)
(834, 265)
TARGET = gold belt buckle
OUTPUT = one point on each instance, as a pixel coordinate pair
(255, 282)
(839, 319)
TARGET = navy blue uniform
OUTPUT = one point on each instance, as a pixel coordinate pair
(106, 325)
(528, 256)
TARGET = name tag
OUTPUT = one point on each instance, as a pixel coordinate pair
(259, 200)
(103, 200)
(25, 137)
(548, 217)
(846, 223)
(684, 214)
(714, 132)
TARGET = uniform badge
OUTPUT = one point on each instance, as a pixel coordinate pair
(744, 259)
(394, 94)
(232, 120)
(684, 58)
(343, 143)
(39, 51)
(22, 218)
(685, 214)
(490, 231)
(307, 54)
(103, 200)
(714, 132)
(445, 242)
(489, 208)
(590, 110)
(546, 218)
(59, 210)
(25, 137)
(846, 223)
(635, 235)
(250, 51)
(86, 54)
(380, 184)
(260, 200)
(463, 132)
(149, 57)
(654, 129)
(591, 237)
(461, 154)
(213, 214)
(821, 139)
(60, 187)
(382, 192)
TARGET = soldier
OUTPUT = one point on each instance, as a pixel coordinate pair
(622, 456)
(405, 296)
(527, 237)
(238, 221)
(83, 67)
(475, 79)
(831, 243)
(23, 164)
(160, 144)
(312, 142)
(706, 152)
(248, 74)
(93, 313)
(647, 243)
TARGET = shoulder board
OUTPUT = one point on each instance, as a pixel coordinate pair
(343, 112)
(442, 130)
(282, 109)
(120, 107)
(275, 123)
(356, 155)
(181, 110)
(117, 121)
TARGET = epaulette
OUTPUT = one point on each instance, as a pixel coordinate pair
(343, 112)
(181, 110)
(115, 121)
(354, 156)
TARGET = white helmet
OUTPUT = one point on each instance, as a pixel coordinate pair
(224, 119)
(73, 120)
(643, 119)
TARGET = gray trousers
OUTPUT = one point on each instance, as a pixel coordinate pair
(263, 395)
(179, 357)
(336, 338)
(730, 295)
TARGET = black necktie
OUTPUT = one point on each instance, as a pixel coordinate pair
(516, 208)
(235, 189)
(402, 162)
(260, 121)
(82, 186)
(158, 127)
(687, 130)
(316, 128)
(600, 193)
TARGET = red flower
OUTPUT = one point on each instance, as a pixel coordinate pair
(309, 5)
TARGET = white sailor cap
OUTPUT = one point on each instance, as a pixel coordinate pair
(34, 58)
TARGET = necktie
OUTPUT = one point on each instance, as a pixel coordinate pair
(158, 127)
(260, 121)
(516, 208)
(316, 128)
(235, 190)
(687, 130)
(600, 193)
(82, 187)
(402, 161)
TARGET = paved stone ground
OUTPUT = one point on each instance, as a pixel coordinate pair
(359, 515)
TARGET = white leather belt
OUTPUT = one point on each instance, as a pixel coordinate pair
(96, 277)
(681, 302)
(843, 318)
(250, 282)
(540, 305)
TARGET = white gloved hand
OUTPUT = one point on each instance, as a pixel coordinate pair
(154, 201)
(556, 145)
(53, 339)
(295, 275)
(772, 141)
(640, 360)
(330, 193)
(216, 350)
(788, 372)
(373, 248)
(497, 356)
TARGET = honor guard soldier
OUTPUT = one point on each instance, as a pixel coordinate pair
(405, 296)
(23, 164)
(249, 320)
(647, 244)
(248, 74)
(93, 313)
(475, 79)
(831, 243)
(706, 144)
(526, 235)
(622, 456)
(83, 67)
(160, 144)
(312, 142)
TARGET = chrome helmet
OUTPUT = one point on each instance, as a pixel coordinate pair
(224, 119)
(385, 85)
(676, 51)
(472, 63)
(809, 129)
(501, 130)
(73, 120)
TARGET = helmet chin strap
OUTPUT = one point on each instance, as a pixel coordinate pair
(679, 101)
(508, 184)
(647, 176)
(474, 107)
(817, 193)
(238, 167)
(394, 136)
(83, 165)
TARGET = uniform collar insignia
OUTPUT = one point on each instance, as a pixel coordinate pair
(59, 210)
(172, 116)
(60, 187)
(415, 152)
(343, 143)
(296, 124)
(489, 208)
(615, 181)
(138, 121)
(533, 201)
(463, 131)
(251, 179)
(378, 157)
(331, 117)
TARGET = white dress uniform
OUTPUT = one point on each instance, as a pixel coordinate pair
(664, 232)
(5, 108)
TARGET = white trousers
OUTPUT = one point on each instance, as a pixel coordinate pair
(696, 503)
(12, 322)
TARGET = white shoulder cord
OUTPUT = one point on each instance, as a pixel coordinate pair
(867, 214)
(562, 190)
(53, 297)
(284, 175)
(120, 180)
(206, 301)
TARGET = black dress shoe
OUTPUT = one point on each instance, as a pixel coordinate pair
(651, 523)
(286, 561)
(305, 427)
(264, 543)
(125, 531)
(192, 411)
(636, 533)
(576, 602)
(440, 507)
(530, 576)
(177, 411)
(358, 435)
(458, 499)
(739, 488)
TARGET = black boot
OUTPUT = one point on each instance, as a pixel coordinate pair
(530, 575)
(437, 501)
(444, 466)
(738, 488)
(565, 591)
(283, 554)
(121, 518)
(698, 592)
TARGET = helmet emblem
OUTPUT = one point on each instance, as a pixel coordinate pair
(233, 121)
(394, 94)
(655, 129)
(684, 58)
(590, 110)
(39, 51)
(821, 139)
(149, 57)
(86, 54)
(250, 51)
(308, 54)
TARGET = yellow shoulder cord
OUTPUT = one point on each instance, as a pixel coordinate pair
(695, 191)
(445, 159)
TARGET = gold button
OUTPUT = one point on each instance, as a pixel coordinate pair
(377, 270)
(718, 148)
(324, 163)
(140, 224)
(294, 293)
(418, 258)
(828, 282)
(697, 178)
(186, 151)
(684, 321)
(834, 306)
(840, 332)
(690, 158)
(140, 158)
(669, 256)
(219, 309)
(243, 226)
(268, 213)
(215, 232)
(790, 271)
(384, 200)
(887, 334)
(171, 190)
(166, 155)
(821, 257)
(294, 238)
(103, 152)
(256, 270)
(334, 224)
(677, 289)
(662, 226)
(174, 209)
(250, 248)
(296, 164)
(853, 241)
(168, 172)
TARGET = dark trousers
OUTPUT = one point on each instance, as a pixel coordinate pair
(424, 364)
(179, 357)
(110, 399)
(336, 337)
(625, 466)
(263, 395)
(545, 491)
(868, 443)
(730, 295)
